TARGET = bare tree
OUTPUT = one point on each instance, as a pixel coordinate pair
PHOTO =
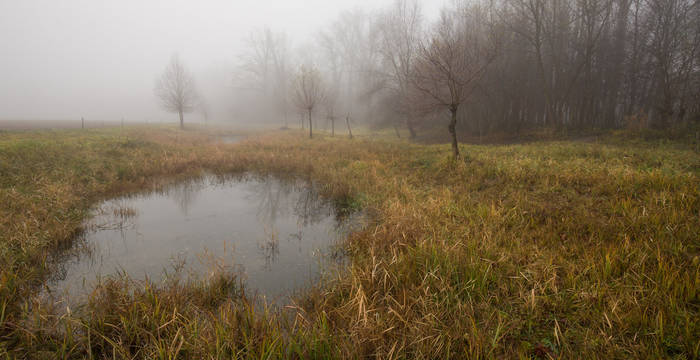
(308, 91)
(400, 31)
(176, 90)
(673, 41)
(562, 65)
(263, 72)
(454, 59)
(349, 53)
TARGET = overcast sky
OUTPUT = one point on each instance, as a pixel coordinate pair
(63, 59)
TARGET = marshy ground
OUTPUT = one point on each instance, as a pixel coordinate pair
(561, 249)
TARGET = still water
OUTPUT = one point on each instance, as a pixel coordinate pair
(278, 235)
(231, 139)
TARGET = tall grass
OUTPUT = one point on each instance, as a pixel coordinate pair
(555, 249)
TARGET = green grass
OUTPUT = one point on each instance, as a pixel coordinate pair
(561, 249)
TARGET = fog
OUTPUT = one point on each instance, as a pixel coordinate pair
(99, 59)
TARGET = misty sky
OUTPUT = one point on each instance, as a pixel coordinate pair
(63, 59)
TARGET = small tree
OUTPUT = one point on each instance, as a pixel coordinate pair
(176, 90)
(450, 65)
(308, 91)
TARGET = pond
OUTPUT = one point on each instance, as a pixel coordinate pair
(279, 235)
(231, 139)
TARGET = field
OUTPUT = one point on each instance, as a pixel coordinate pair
(15, 125)
(557, 249)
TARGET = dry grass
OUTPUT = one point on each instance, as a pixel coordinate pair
(557, 249)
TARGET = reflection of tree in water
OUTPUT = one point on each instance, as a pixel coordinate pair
(310, 208)
(185, 194)
(272, 203)
(273, 199)
(279, 199)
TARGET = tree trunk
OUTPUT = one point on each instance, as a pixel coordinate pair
(332, 126)
(347, 122)
(411, 130)
(617, 62)
(311, 132)
(453, 131)
(286, 120)
(182, 120)
(396, 129)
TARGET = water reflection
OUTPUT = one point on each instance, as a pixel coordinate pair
(231, 139)
(277, 233)
(185, 194)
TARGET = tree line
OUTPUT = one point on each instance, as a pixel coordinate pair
(484, 66)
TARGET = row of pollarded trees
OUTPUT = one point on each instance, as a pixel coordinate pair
(488, 66)
(387, 64)
(310, 92)
(273, 86)
(177, 93)
(509, 65)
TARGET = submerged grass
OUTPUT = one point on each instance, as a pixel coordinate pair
(556, 249)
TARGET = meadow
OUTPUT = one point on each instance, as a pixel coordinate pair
(550, 249)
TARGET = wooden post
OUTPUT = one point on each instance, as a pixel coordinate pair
(311, 132)
(347, 122)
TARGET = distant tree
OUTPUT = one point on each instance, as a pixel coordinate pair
(399, 32)
(308, 91)
(348, 54)
(264, 68)
(176, 90)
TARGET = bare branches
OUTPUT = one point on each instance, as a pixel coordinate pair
(265, 70)
(516, 64)
(454, 58)
(176, 89)
(308, 91)
(400, 31)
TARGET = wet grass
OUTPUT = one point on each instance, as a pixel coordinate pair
(556, 249)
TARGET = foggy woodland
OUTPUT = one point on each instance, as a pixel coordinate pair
(484, 67)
